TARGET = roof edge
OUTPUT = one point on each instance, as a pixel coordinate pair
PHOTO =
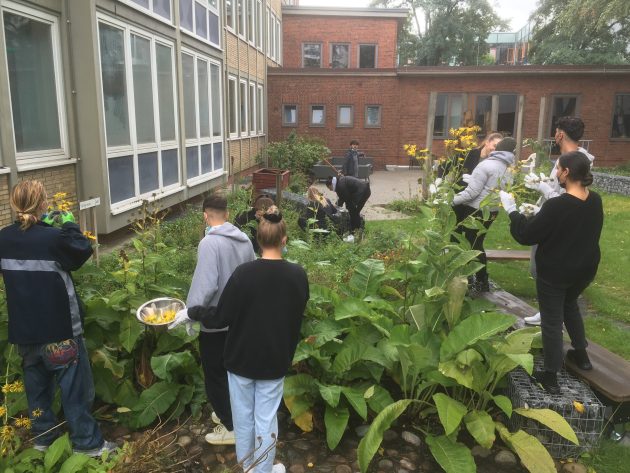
(400, 13)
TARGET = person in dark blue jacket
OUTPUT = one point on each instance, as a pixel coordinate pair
(46, 319)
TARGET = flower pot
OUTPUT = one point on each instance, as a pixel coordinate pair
(265, 178)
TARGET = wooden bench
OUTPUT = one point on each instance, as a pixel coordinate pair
(508, 255)
(610, 374)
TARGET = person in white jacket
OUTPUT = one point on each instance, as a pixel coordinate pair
(569, 131)
(490, 174)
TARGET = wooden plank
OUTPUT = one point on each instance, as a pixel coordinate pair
(508, 254)
(610, 374)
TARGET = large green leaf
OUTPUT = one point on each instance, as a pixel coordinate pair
(153, 402)
(551, 419)
(299, 384)
(472, 329)
(351, 352)
(56, 451)
(171, 341)
(336, 420)
(352, 308)
(374, 436)
(356, 400)
(367, 278)
(130, 331)
(460, 373)
(74, 463)
(462, 259)
(504, 403)
(519, 341)
(166, 366)
(453, 457)
(330, 394)
(380, 399)
(106, 358)
(456, 288)
(450, 412)
(481, 427)
(126, 395)
(532, 453)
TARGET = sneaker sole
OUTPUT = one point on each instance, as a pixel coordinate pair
(537, 323)
(221, 442)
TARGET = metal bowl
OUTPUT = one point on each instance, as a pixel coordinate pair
(158, 308)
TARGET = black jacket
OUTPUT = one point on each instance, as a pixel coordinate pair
(350, 189)
(42, 302)
(351, 164)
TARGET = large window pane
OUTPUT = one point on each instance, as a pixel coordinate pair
(240, 7)
(243, 106)
(201, 20)
(142, 89)
(250, 20)
(217, 149)
(121, 182)
(206, 158)
(311, 53)
(170, 167)
(192, 162)
(148, 172)
(318, 115)
(373, 115)
(455, 116)
(229, 13)
(621, 117)
(186, 14)
(213, 27)
(340, 55)
(232, 105)
(562, 107)
(32, 83)
(483, 112)
(439, 123)
(367, 55)
(506, 121)
(289, 115)
(142, 3)
(162, 8)
(203, 101)
(344, 115)
(188, 66)
(164, 65)
(252, 107)
(114, 85)
(215, 84)
(261, 104)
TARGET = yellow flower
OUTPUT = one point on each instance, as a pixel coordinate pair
(23, 422)
(36, 413)
(16, 387)
(60, 195)
(6, 433)
(89, 235)
(3, 411)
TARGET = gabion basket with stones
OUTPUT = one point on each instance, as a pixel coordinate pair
(587, 425)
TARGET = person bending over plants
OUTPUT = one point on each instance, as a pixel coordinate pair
(263, 303)
(319, 208)
(567, 230)
(46, 318)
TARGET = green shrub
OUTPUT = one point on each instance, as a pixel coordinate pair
(296, 153)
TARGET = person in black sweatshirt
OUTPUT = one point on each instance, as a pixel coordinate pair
(354, 193)
(263, 303)
(567, 231)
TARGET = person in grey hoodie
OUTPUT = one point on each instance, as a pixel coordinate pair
(490, 174)
(219, 253)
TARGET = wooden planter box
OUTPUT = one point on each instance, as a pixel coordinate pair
(265, 178)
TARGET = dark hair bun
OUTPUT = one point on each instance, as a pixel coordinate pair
(588, 179)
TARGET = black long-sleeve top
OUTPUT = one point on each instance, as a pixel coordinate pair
(263, 303)
(350, 189)
(567, 231)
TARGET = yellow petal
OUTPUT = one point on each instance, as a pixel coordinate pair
(579, 407)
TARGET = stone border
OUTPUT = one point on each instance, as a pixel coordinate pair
(612, 183)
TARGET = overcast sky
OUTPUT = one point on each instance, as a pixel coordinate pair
(515, 12)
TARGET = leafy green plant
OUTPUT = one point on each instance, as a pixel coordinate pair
(296, 153)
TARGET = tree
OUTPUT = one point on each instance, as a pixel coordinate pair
(581, 32)
(445, 31)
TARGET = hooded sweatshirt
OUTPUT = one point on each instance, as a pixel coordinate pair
(218, 255)
(490, 174)
(556, 190)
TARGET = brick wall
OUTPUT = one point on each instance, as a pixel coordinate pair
(405, 104)
(298, 29)
(5, 208)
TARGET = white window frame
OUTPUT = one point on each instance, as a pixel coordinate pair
(26, 160)
(310, 115)
(260, 25)
(199, 140)
(380, 116)
(241, 19)
(243, 105)
(205, 4)
(134, 149)
(234, 107)
(332, 45)
(268, 46)
(297, 115)
(252, 110)
(321, 54)
(345, 125)
(261, 110)
(279, 41)
(231, 27)
(150, 12)
(251, 22)
(375, 55)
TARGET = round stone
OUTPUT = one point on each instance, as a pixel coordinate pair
(411, 438)
(479, 451)
(184, 441)
(386, 464)
(362, 430)
(343, 469)
(574, 468)
(390, 435)
(505, 458)
(297, 468)
(407, 465)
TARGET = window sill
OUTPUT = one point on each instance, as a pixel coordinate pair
(195, 181)
(372, 126)
(5, 170)
(117, 209)
(619, 139)
(345, 126)
(314, 125)
(289, 125)
(34, 164)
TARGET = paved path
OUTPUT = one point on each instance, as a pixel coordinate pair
(386, 187)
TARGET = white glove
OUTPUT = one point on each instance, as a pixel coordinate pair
(182, 318)
(507, 201)
(466, 178)
(437, 182)
(532, 181)
(432, 189)
(529, 209)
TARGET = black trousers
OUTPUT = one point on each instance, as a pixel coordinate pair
(354, 209)
(558, 305)
(211, 345)
(462, 212)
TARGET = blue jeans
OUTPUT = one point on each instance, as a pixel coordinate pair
(67, 364)
(254, 407)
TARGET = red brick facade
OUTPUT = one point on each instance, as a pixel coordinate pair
(327, 30)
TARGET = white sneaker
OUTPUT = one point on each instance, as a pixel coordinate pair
(349, 239)
(215, 418)
(278, 468)
(221, 436)
(40, 448)
(533, 320)
(107, 447)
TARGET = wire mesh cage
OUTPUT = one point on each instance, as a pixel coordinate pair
(577, 404)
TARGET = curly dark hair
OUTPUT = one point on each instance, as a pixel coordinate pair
(573, 127)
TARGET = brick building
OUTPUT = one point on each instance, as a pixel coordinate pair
(132, 100)
(318, 92)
